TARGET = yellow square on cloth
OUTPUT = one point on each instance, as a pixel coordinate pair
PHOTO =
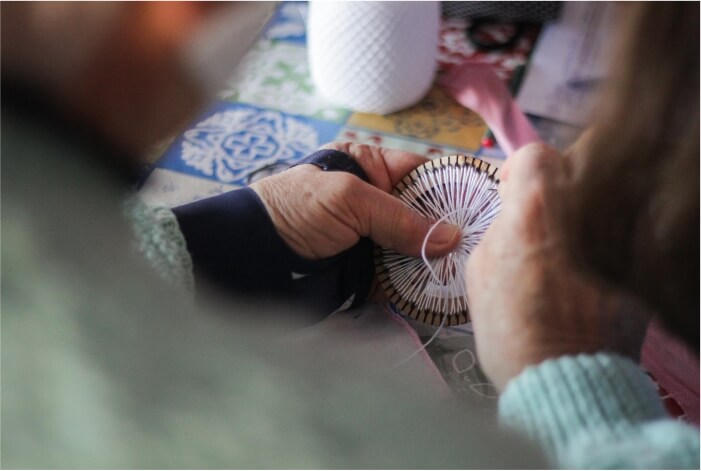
(437, 118)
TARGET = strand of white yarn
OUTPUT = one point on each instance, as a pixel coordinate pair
(471, 205)
(438, 280)
(472, 194)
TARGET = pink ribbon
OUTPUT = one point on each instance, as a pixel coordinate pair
(476, 86)
(675, 367)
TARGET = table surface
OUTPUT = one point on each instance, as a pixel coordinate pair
(269, 116)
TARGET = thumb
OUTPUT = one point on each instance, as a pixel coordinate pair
(394, 225)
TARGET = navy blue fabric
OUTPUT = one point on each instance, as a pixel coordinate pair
(235, 246)
(334, 161)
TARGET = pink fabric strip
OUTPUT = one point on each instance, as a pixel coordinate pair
(675, 367)
(477, 87)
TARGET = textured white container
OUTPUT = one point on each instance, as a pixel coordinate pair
(374, 57)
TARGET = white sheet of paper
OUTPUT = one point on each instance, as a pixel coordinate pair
(570, 56)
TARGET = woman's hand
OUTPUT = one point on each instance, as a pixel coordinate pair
(320, 214)
(527, 301)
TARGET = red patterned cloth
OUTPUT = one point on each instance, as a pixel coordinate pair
(456, 49)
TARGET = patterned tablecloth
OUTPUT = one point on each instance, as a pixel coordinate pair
(269, 116)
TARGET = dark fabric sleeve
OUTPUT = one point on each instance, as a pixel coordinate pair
(235, 246)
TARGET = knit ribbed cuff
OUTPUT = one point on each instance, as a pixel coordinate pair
(564, 397)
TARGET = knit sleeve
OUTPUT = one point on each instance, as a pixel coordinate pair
(597, 411)
(160, 240)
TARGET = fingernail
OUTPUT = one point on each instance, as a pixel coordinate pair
(444, 234)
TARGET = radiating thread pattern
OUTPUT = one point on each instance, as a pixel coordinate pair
(463, 195)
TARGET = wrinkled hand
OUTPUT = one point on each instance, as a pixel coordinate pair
(527, 301)
(320, 214)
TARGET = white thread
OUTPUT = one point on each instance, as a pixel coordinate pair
(462, 196)
(423, 347)
(428, 236)
(428, 265)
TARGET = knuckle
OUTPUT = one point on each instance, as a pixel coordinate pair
(409, 226)
(400, 222)
(534, 222)
(536, 189)
(370, 160)
(543, 156)
(360, 151)
(345, 184)
(537, 148)
(532, 156)
(341, 146)
(396, 229)
(537, 164)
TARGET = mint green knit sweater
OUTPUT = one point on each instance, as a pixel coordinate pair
(585, 411)
(597, 411)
